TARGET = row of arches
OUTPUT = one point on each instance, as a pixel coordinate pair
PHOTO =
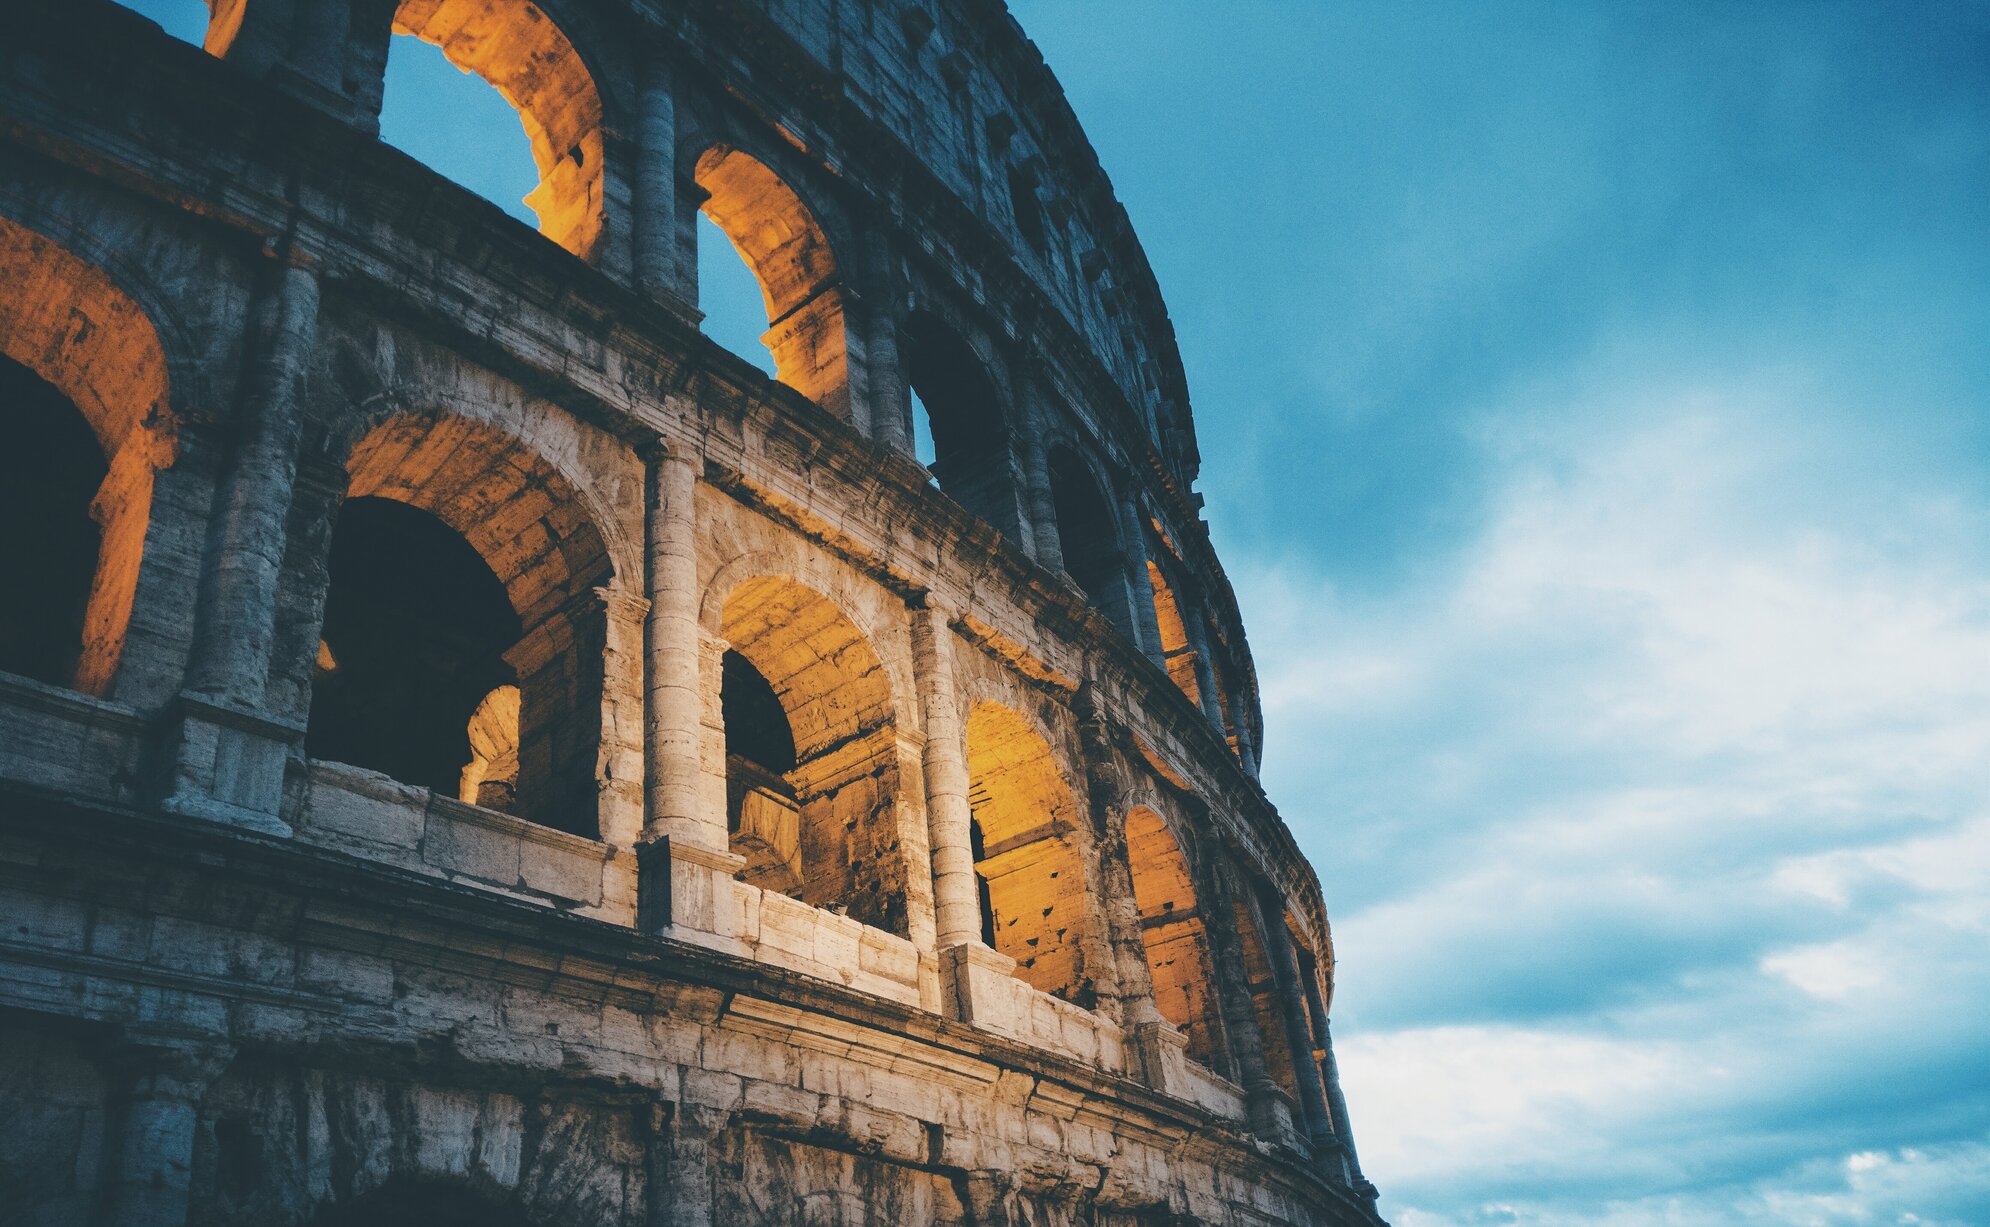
(458, 641)
(952, 411)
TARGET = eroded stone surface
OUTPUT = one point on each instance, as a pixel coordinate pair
(580, 980)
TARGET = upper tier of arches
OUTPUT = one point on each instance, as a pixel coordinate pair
(987, 281)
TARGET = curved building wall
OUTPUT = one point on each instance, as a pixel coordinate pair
(519, 761)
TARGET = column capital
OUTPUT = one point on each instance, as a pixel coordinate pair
(624, 607)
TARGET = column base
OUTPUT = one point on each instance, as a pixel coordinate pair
(227, 764)
(1271, 1111)
(1163, 1055)
(684, 890)
(981, 985)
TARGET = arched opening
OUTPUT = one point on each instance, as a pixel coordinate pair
(1176, 651)
(49, 475)
(1087, 533)
(518, 50)
(763, 810)
(1171, 926)
(811, 753)
(1028, 855)
(800, 285)
(963, 417)
(83, 382)
(463, 639)
(405, 1202)
(729, 299)
(415, 631)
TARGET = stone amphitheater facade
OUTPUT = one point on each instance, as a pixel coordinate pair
(472, 750)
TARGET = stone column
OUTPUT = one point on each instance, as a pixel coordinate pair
(1269, 1111)
(1036, 474)
(1205, 668)
(891, 406)
(1146, 624)
(154, 1122)
(977, 980)
(1292, 1005)
(1337, 1116)
(685, 859)
(956, 904)
(620, 760)
(228, 754)
(657, 254)
(238, 599)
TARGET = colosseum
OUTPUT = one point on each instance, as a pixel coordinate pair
(473, 750)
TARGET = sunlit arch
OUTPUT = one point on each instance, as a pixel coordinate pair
(784, 243)
(528, 525)
(840, 849)
(525, 56)
(1027, 851)
(1173, 932)
(67, 321)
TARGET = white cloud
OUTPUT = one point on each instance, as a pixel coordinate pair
(1665, 808)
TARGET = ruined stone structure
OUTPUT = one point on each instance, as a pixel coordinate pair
(472, 750)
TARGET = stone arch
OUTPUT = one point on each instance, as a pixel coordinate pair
(516, 47)
(826, 830)
(70, 325)
(1173, 931)
(529, 527)
(964, 409)
(1088, 535)
(789, 251)
(1178, 652)
(1027, 852)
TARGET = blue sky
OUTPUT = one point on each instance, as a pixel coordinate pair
(1595, 405)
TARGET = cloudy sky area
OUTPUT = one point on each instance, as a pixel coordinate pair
(1595, 404)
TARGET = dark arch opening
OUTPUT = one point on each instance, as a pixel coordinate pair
(50, 473)
(1090, 544)
(403, 1202)
(756, 726)
(963, 417)
(415, 631)
(813, 698)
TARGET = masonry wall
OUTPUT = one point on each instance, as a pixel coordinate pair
(240, 984)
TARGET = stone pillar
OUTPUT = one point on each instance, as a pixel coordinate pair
(1292, 1006)
(1205, 670)
(1343, 1127)
(1269, 1111)
(891, 406)
(1036, 474)
(620, 760)
(956, 904)
(680, 1166)
(238, 599)
(685, 859)
(657, 250)
(228, 754)
(1146, 623)
(154, 1122)
(976, 980)
(1124, 982)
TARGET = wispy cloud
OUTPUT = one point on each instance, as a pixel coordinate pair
(1663, 808)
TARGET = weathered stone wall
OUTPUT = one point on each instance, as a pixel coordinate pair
(1049, 956)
